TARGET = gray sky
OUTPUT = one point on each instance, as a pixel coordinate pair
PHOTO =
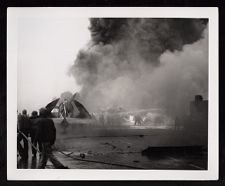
(46, 49)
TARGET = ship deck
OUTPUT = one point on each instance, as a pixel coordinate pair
(121, 148)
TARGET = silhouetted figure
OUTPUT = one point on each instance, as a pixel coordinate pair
(137, 120)
(33, 131)
(177, 124)
(102, 118)
(46, 133)
(24, 125)
(64, 108)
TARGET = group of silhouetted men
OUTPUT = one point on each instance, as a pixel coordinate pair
(42, 132)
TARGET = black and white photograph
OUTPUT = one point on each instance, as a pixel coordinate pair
(126, 92)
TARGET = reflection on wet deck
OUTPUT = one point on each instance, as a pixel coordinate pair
(31, 162)
(120, 152)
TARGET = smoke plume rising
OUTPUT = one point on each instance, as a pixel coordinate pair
(143, 63)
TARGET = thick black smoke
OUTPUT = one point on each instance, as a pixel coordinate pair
(117, 67)
(152, 36)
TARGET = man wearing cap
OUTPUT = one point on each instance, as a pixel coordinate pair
(46, 134)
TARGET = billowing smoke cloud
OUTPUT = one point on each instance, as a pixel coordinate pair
(143, 63)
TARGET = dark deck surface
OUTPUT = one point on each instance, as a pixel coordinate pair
(123, 151)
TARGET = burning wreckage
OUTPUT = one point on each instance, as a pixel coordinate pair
(73, 110)
(131, 139)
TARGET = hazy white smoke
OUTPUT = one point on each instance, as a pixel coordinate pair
(181, 75)
(143, 63)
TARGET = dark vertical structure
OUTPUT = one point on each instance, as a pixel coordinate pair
(198, 119)
(199, 108)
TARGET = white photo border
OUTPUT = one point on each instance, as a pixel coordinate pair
(13, 14)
